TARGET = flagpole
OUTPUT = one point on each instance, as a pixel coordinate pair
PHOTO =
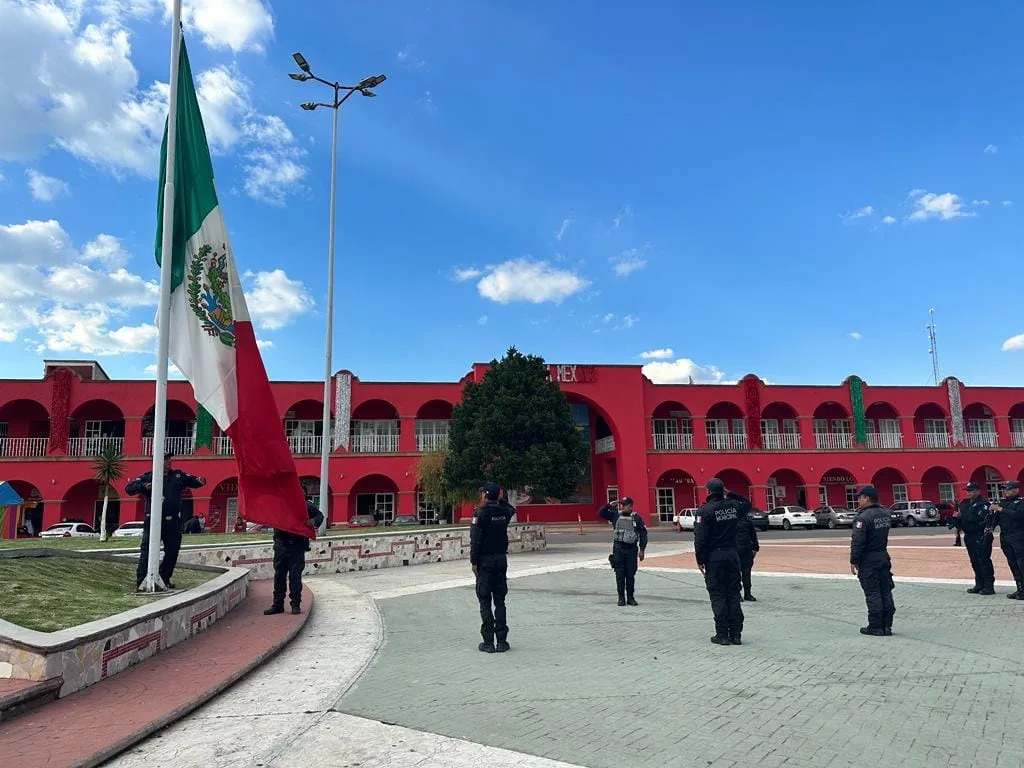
(153, 582)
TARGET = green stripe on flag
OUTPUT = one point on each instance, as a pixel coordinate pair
(204, 428)
(194, 193)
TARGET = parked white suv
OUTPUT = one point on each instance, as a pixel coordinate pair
(791, 517)
(684, 520)
(917, 512)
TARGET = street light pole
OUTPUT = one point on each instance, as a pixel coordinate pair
(364, 87)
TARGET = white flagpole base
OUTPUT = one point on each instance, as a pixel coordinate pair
(152, 584)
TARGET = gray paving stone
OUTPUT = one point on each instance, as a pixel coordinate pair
(593, 684)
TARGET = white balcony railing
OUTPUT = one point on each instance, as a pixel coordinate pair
(23, 447)
(734, 442)
(675, 442)
(222, 446)
(604, 444)
(1018, 439)
(776, 442)
(982, 440)
(431, 441)
(374, 443)
(833, 441)
(91, 446)
(884, 440)
(177, 446)
(933, 440)
(305, 445)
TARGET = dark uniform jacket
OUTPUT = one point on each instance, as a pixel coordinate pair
(1010, 520)
(290, 540)
(870, 533)
(175, 482)
(488, 533)
(611, 513)
(746, 535)
(974, 514)
(716, 522)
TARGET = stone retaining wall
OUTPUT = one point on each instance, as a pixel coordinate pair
(88, 653)
(340, 554)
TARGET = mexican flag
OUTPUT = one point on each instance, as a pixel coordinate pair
(211, 336)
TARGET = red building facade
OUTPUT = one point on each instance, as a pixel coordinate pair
(806, 445)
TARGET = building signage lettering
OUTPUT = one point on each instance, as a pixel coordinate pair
(837, 478)
(573, 374)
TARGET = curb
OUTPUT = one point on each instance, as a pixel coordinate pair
(129, 741)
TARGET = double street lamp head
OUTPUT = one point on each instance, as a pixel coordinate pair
(301, 61)
(309, 106)
(371, 82)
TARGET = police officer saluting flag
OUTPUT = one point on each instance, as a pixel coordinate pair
(1009, 516)
(972, 515)
(714, 544)
(629, 540)
(488, 554)
(290, 561)
(870, 563)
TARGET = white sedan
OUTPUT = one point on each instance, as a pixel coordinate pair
(684, 520)
(791, 516)
(133, 528)
(60, 530)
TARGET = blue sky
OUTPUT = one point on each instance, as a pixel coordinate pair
(730, 187)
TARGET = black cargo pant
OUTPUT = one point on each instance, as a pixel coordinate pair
(1013, 549)
(624, 561)
(875, 576)
(722, 577)
(979, 549)
(170, 534)
(289, 563)
(491, 588)
(746, 566)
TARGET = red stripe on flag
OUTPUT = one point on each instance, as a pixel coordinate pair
(267, 481)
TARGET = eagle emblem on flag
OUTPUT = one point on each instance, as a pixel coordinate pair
(208, 293)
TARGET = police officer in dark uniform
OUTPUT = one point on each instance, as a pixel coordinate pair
(629, 540)
(1008, 514)
(488, 554)
(747, 546)
(290, 561)
(714, 544)
(175, 481)
(972, 517)
(870, 563)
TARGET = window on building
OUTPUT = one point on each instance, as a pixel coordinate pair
(841, 426)
(3, 430)
(94, 428)
(738, 426)
(769, 426)
(995, 490)
(770, 498)
(612, 494)
(686, 426)
(947, 492)
(666, 427)
(666, 498)
(899, 492)
(851, 496)
(425, 510)
(935, 427)
(1018, 425)
(821, 426)
(790, 427)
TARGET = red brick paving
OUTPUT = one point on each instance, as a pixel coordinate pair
(96, 723)
(8, 686)
(921, 556)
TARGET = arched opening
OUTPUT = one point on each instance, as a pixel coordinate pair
(672, 427)
(991, 481)
(311, 490)
(780, 428)
(83, 503)
(931, 426)
(95, 426)
(831, 424)
(939, 485)
(786, 487)
(24, 429)
(375, 427)
(375, 495)
(882, 424)
(30, 511)
(1016, 415)
(980, 421)
(180, 429)
(725, 427)
(838, 488)
(735, 480)
(224, 512)
(432, 421)
(675, 489)
(304, 427)
(891, 485)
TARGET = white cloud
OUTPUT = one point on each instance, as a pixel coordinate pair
(525, 280)
(409, 57)
(273, 165)
(664, 353)
(608, 317)
(1007, 203)
(172, 371)
(628, 321)
(991, 149)
(274, 299)
(482, 320)
(856, 335)
(928, 205)
(264, 343)
(562, 229)
(889, 220)
(860, 213)
(681, 371)
(625, 213)
(239, 25)
(628, 262)
(45, 188)
(462, 274)
(1014, 343)
(979, 203)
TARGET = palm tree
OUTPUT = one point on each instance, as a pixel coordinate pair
(107, 466)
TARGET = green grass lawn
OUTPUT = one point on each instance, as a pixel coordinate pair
(51, 593)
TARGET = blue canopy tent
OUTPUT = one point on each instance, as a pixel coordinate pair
(10, 502)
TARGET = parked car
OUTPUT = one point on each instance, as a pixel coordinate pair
(759, 518)
(947, 510)
(60, 530)
(406, 520)
(834, 517)
(918, 512)
(791, 516)
(133, 528)
(363, 521)
(685, 518)
(895, 519)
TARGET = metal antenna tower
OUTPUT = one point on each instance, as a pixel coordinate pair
(933, 349)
